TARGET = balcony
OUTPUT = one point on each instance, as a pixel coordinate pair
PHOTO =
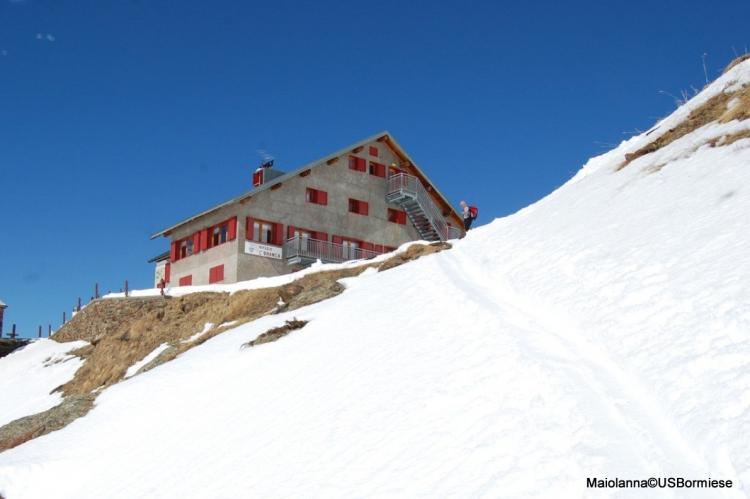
(304, 251)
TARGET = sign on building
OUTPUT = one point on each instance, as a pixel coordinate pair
(258, 249)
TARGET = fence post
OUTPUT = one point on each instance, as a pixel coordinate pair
(96, 291)
(126, 288)
(63, 317)
(78, 308)
(40, 332)
(49, 330)
(13, 333)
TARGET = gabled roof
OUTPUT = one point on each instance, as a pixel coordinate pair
(384, 136)
(160, 257)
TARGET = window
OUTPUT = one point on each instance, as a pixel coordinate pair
(377, 169)
(397, 216)
(358, 207)
(216, 274)
(263, 231)
(358, 164)
(373, 151)
(186, 280)
(219, 233)
(315, 196)
(186, 248)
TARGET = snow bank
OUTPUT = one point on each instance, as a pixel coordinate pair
(28, 375)
(133, 370)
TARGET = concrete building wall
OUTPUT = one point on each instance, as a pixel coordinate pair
(286, 203)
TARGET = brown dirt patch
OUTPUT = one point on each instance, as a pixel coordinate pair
(276, 333)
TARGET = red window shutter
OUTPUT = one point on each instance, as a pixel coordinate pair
(401, 217)
(204, 240)
(173, 252)
(365, 245)
(197, 242)
(361, 164)
(364, 208)
(249, 228)
(186, 280)
(321, 236)
(373, 151)
(289, 231)
(338, 240)
(278, 234)
(167, 271)
(232, 229)
(322, 197)
(216, 274)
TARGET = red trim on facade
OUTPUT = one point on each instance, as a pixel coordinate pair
(186, 280)
(232, 232)
(278, 234)
(167, 271)
(173, 252)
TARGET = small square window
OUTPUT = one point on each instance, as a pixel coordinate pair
(397, 216)
(357, 164)
(373, 151)
(358, 207)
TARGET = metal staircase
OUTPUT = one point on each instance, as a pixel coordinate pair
(409, 193)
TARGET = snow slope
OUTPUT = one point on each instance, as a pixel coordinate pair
(601, 332)
(28, 376)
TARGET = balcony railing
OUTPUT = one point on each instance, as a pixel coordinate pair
(304, 250)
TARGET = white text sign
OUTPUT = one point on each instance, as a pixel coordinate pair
(259, 249)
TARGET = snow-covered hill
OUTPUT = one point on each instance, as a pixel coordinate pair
(601, 332)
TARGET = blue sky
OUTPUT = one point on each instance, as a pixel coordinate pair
(120, 118)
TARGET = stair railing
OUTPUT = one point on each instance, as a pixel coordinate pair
(412, 187)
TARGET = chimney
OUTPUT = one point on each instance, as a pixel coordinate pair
(265, 173)
(3, 306)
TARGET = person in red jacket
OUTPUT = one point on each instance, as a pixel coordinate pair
(469, 213)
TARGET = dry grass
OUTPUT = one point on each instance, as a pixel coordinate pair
(722, 108)
(123, 331)
(726, 140)
(276, 333)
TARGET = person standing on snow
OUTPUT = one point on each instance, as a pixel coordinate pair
(469, 214)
